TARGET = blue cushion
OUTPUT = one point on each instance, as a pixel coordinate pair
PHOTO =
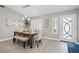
(73, 48)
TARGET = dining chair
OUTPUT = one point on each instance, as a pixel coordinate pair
(38, 38)
(20, 38)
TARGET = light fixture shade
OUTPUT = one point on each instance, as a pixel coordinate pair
(28, 19)
(23, 18)
(26, 16)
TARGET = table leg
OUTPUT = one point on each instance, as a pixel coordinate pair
(28, 42)
(24, 44)
(31, 42)
(14, 39)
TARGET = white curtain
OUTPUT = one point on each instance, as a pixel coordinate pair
(36, 24)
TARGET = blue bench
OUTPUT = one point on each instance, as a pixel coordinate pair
(73, 48)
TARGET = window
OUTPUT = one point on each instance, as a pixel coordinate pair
(55, 25)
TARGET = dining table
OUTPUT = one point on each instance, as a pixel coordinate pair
(28, 34)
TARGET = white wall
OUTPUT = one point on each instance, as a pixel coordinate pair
(7, 31)
(47, 32)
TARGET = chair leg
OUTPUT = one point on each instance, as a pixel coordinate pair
(18, 41)
(37, 44)
(14, 40)
(34, 43)
(41, 42)
(24, 44)
(28, 42)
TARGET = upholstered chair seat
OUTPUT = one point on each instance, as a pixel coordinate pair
(20, 38)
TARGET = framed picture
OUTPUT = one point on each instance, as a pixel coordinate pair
(11, 21)
(8, 21)
(46, 23)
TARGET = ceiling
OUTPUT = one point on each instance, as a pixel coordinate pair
(37, 10)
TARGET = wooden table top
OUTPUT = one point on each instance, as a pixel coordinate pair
(25, 32)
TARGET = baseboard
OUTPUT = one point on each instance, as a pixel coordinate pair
(42, 37)
(66, 41)
(50, 38)
(6, 39)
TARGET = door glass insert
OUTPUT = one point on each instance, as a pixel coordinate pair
(67, 24)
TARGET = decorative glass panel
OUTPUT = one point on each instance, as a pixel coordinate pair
(67, 24)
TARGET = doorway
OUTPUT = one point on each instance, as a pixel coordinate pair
(68, 28)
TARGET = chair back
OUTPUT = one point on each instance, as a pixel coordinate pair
(39, 35)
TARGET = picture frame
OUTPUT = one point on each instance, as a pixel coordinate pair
(46, 22)
(11, 21)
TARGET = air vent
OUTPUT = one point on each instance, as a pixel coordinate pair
(26, 6)
(2, 6)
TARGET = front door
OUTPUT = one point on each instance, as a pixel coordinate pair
(69, 27)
